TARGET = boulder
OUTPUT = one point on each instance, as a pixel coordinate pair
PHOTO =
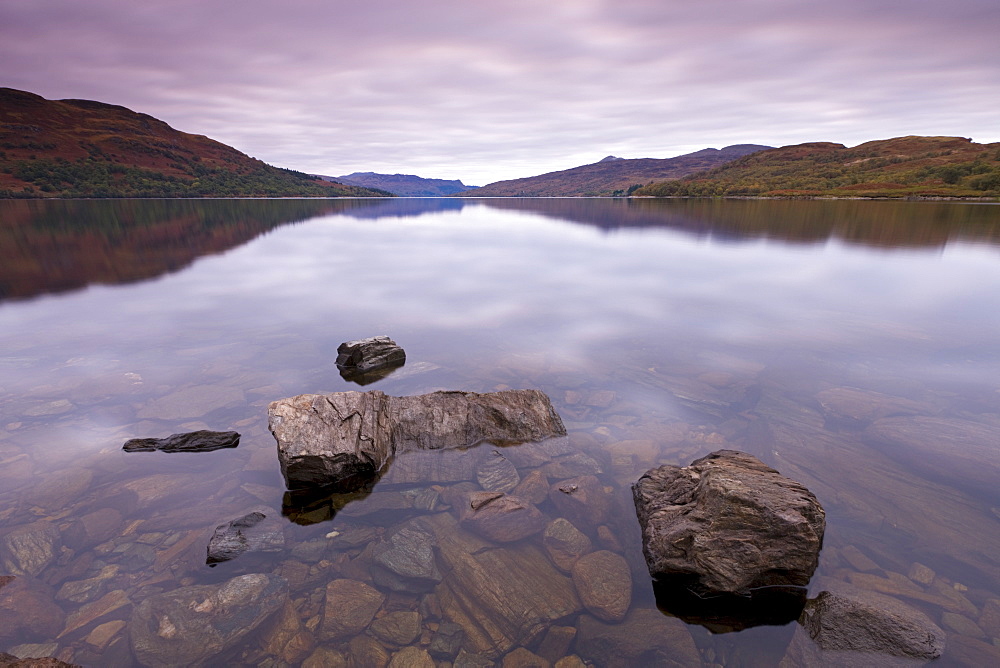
(195, 441)
(345, 439)
(249, 533)
(193, 625)
(364, 355)
(850, 627)
(728, 524)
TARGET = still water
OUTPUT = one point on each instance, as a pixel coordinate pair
(851, 345)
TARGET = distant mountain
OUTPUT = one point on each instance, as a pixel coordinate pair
(405, 185)
(900, 167)
(82, 148)
(612, 175)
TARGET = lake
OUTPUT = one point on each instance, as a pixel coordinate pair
(851, 345)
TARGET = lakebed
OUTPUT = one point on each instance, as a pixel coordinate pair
(850, 345)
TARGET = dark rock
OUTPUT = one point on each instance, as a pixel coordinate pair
(645, 638)
(500, 517)
(728, 524)
(408, 554)
(863, 621)
(364, 355)
(246, 534)
(191, 625)
(397, 628)
(195, 441)
(345, 439)
(27, 610)
(447, 641)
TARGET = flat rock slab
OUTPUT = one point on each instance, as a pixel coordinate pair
(369, 354)
(195, 441)
(345, 439)
(728, 524)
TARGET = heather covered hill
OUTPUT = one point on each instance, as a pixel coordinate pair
(612, 176)
(405, 185)
(82, 148)
(901, 167)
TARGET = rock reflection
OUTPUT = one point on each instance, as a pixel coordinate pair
(727, 613)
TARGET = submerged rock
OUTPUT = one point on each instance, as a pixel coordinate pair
(645, 638)
(852, 627)
(345, 439)
(191, 626)
(728, 524)
(365, 355)
(249, 533)
(27, 610)
(195, 441)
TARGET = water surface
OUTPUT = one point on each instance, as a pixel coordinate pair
(662, 331)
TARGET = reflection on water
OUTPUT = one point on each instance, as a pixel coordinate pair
(869, 376)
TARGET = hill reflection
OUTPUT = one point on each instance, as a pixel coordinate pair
(56, 246)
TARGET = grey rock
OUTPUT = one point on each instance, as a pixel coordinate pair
(345, 439)
(249, 533)
(447, 640)
(863, 621)
(192, 625)
(729, 524)
(369, 354)
(407, 553)
(28, 549)
(195, 441)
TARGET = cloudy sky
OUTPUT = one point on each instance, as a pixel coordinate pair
(483, 90)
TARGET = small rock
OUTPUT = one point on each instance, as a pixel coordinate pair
(503, 518)
(103, 634)
(411, 657)
(325, 657)
(533, 488)
(364, 355)
(922, 574)
(572, 466)
(192, 402)
(961, 625)
(350, 607)
(408, 553)
(565, 543)
(113, 603)
(989, 619)
(366, 652)
(497, 474)
(447, 640)
(249, 533)
(195, 441)
(397, 628)
(604, 583)
(523, 658)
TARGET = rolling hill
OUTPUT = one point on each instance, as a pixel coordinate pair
(82, 148)
(404, 185)
(612, 176)
(900, 167)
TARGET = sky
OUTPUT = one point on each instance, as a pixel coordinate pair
(484, 90)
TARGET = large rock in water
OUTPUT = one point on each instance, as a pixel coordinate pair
(345, 439)
(728, 524)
